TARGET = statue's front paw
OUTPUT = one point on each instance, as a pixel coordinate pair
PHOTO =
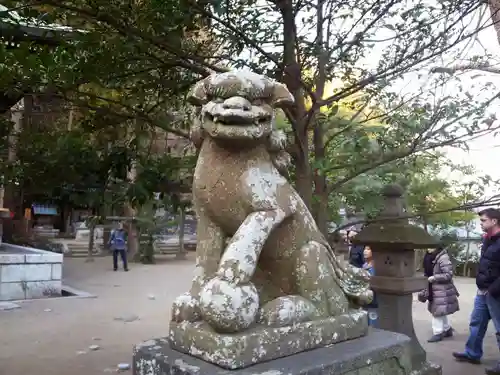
(229, 307)
(286, 311)
(186, 308)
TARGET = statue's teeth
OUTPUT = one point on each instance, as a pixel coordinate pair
(216, 119)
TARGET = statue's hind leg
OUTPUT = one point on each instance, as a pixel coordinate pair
(317, 281)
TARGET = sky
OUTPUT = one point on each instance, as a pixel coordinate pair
(484, 152)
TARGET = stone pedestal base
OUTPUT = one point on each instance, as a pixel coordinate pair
(427, 368)
(379, 353)
(264, 343)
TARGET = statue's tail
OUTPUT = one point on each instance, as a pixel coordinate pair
(355, 282)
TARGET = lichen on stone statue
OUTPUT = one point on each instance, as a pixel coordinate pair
(261, 261)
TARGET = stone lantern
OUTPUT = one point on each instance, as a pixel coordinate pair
(393, 242)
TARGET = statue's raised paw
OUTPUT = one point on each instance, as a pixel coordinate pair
(229, 307)
(186, 308)
(287, 310)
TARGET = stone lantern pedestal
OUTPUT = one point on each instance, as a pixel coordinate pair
(393, 242)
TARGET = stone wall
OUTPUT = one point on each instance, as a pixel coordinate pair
(27, 273)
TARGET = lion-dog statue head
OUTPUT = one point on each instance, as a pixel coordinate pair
(237, 109)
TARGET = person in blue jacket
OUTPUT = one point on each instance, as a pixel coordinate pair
(118, 244)
(487, 300)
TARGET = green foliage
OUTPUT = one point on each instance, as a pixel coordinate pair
(74, 167)
(365, 155)
(52, 161)
(149, 226)
(127, 61)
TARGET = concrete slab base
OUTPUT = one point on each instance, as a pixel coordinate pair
(29, 273)
(379, 353)
(6, 306)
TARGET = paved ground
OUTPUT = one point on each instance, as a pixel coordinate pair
(34, 340)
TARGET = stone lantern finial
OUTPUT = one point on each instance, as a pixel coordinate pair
(393, 201)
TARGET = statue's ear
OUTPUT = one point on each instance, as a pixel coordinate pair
(198, 95)
(281, 96)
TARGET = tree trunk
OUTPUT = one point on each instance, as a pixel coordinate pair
(321, 189)
(133, 233)
(18, 115)
(297, 115)
(303, 180)
(494, 6)
(182, 220)
(320, 184)
(106, 230)
(69, 126)
(90, 249)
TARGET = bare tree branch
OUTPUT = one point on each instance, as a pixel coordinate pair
(192, 63)
(403, 64)
(133, 113)
(482, 66)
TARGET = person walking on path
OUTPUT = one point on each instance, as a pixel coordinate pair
(487, 300)
(441, 294)
(118, 244)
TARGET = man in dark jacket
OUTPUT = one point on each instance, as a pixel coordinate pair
(487, 301)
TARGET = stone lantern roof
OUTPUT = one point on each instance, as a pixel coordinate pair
(392, 229)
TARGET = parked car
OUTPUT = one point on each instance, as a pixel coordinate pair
(172, 240)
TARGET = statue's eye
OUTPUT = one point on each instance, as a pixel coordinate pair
(257, 102)
(217, 100)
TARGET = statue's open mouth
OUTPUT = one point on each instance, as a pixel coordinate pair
(237, 119)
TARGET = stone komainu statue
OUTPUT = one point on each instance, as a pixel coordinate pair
(264, 272)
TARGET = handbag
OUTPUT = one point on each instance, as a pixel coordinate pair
(423, 295)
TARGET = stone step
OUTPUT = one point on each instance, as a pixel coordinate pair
(166, 249)
(78, 249)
